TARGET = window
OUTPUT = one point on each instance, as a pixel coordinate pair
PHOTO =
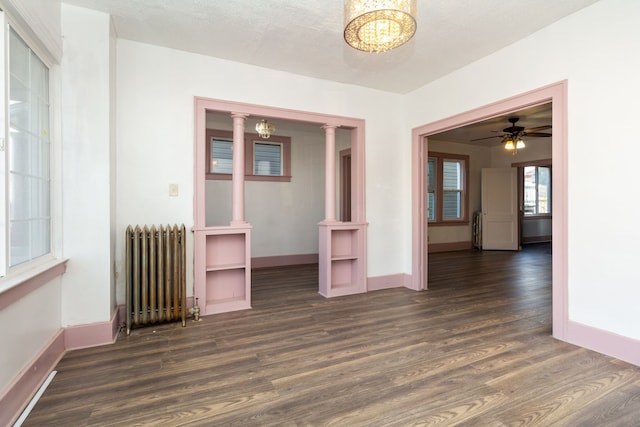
(26, 158)
(447, 182)
(221, 156)
(537, 190)
(264, 160)
(267, 159)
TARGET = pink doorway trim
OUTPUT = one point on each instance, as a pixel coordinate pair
(556, 94)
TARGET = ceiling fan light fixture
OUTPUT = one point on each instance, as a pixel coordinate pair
(520, 144)
(379, 25)
(508, 145)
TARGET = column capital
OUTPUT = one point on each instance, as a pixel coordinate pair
(236, 115)
(328, 126)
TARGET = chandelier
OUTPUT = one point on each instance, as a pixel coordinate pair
(265, 129)
(379, 25)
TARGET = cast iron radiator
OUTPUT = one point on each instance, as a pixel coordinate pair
(155, 275)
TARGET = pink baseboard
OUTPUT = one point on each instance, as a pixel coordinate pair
(387, 282)
(609, 343)
(18, 394)
(449, 247)
(92, 335)
(283, 260)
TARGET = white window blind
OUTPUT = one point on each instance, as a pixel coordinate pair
(221, 156)
(267, 159)
(452, 187)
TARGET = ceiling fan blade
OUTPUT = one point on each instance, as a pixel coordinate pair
(537, 134)
(538, 129)
(488, 137)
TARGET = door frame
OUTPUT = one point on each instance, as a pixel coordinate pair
(556, 94)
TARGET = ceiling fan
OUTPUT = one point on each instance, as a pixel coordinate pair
(515, 133)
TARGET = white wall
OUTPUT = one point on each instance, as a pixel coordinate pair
(32, 321)
(87, 166)
(594, 49)
(156, 89)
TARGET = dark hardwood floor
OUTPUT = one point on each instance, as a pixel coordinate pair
(475, 349)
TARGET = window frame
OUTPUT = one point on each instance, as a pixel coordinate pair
(249, 141)
(550, 197)
(439, 190)
(13, 275)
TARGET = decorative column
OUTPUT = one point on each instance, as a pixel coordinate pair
(330, 173)
(237, 177)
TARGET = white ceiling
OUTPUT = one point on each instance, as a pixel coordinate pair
(305, 36)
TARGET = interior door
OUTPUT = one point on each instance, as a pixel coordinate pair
(500, 208)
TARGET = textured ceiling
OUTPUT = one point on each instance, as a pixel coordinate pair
(305, 36)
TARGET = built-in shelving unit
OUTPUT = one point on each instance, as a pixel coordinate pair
(343, 271)
(223, 275)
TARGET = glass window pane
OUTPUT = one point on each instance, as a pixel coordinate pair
(544, 190)
(267, 159)
(431, 202)
(19, 231)
(530, 197)
(452, 175)
(221, 156)
(452, 205)
(431, 175)
(28, 154)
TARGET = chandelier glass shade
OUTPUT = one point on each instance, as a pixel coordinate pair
(265, 129)
(379, 25)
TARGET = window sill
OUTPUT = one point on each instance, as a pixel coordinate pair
(17, 285)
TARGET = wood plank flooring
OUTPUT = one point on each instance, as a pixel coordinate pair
(474, 350)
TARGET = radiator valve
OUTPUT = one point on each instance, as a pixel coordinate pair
(196, 311)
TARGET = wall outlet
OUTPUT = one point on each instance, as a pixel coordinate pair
(173, 190)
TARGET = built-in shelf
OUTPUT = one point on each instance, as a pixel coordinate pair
(343, 273)
(223, 273)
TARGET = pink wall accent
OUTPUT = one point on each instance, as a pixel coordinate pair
(284, 260)
(27, 286)
(18, 394)
(555, 93)
(387, 282)
(356, 127)
(93, 334)
(605, 342)
(450, 246)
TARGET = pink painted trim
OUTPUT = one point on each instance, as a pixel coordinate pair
(18, 393)
(555, 93)
(358, 208)
(357, 127)
(388, 282)
(450, 247)
(283, 260)
(604, 342)
(30, 284)
(91, 335)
